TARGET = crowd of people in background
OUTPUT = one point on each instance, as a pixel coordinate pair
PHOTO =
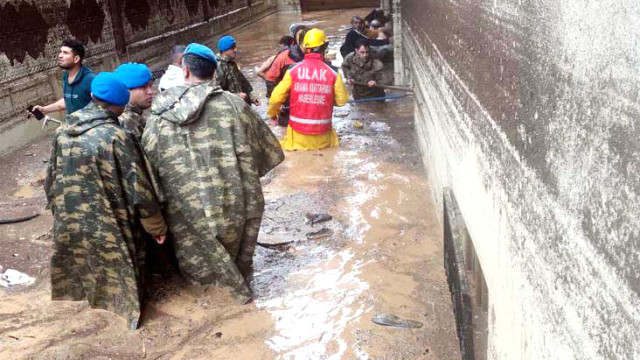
(130, 169)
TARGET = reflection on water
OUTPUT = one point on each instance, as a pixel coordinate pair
(311, 319)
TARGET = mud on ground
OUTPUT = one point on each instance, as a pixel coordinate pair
(314, 297)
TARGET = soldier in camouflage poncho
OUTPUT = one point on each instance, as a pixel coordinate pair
(209, 150)
(228, 75)
(139, 80)
(96, 189)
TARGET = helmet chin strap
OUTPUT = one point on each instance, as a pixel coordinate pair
(321, 49)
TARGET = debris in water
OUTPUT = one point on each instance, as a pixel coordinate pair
(14, 277)
(358, 125)
(19, 219)
(322, 233)
(341, 114)
(378, 126)
(270, 245)
(392, 320)
(318, 218)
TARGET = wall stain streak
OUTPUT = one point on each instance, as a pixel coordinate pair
(137, 13)
(192, 7)
(85, 20)
(166, 10)
(22, 31)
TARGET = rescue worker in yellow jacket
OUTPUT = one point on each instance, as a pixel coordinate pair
(314, 87)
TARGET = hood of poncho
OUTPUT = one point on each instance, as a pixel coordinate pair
(182, 104)
(89, 117)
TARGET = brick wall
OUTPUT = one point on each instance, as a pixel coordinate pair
(31, 33)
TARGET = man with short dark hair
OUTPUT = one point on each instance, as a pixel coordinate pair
(228, 75)
(173, 76)
(359, 32)
(209, 149)
(360, 67)
(76, 80)
(97, 189)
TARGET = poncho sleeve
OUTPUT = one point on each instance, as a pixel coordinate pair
(135, 182)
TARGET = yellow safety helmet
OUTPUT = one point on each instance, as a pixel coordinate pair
(314, 39)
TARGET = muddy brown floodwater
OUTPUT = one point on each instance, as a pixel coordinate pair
(382, 253)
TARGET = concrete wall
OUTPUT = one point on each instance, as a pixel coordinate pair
(114, 31)
(529, 111)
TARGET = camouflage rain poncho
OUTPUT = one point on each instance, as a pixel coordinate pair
(209, 150)
(230, 78)
(96, 188)
(132, 120)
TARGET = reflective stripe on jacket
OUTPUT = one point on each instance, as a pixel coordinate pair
(314, 88)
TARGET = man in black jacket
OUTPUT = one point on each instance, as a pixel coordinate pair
(358, 32)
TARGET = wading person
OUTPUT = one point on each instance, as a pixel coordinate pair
(359, 32)
(209, 149)
(76, 80)
(96, 188)
(281, 64)
(173, 76)
(361, 68)
(228, 75)
(138, 79)
(313, 88)
(271, 77)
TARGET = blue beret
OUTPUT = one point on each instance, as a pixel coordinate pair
(108, 87)
(201, 51)
(226, 42)
(134, 75)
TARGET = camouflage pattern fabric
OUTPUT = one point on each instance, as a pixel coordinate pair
(209, 150)
(358, 70)
(231, 79)
(96, 188)
(132, 120)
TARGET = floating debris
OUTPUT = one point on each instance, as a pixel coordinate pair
(274, 244)
(19, 219)
(378, 126)
(320, 234)
(394, 321)
(318, 218)
(13, 277)
(358, 124)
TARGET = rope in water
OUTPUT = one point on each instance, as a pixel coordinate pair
(370, 99)
(380, 98)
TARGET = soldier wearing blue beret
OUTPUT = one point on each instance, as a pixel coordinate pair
(97, 189)
(228, 75)
(209, 149)
(139, 80)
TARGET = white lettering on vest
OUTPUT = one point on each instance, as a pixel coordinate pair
(303, 74)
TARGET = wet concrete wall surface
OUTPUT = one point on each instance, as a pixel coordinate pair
(143, 30)
(529, 111)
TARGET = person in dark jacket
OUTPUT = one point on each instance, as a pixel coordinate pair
(358, 32)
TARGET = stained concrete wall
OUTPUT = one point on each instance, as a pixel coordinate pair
(114, 31)
(529, 111)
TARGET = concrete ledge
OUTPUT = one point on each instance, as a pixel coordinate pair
(455, 238)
